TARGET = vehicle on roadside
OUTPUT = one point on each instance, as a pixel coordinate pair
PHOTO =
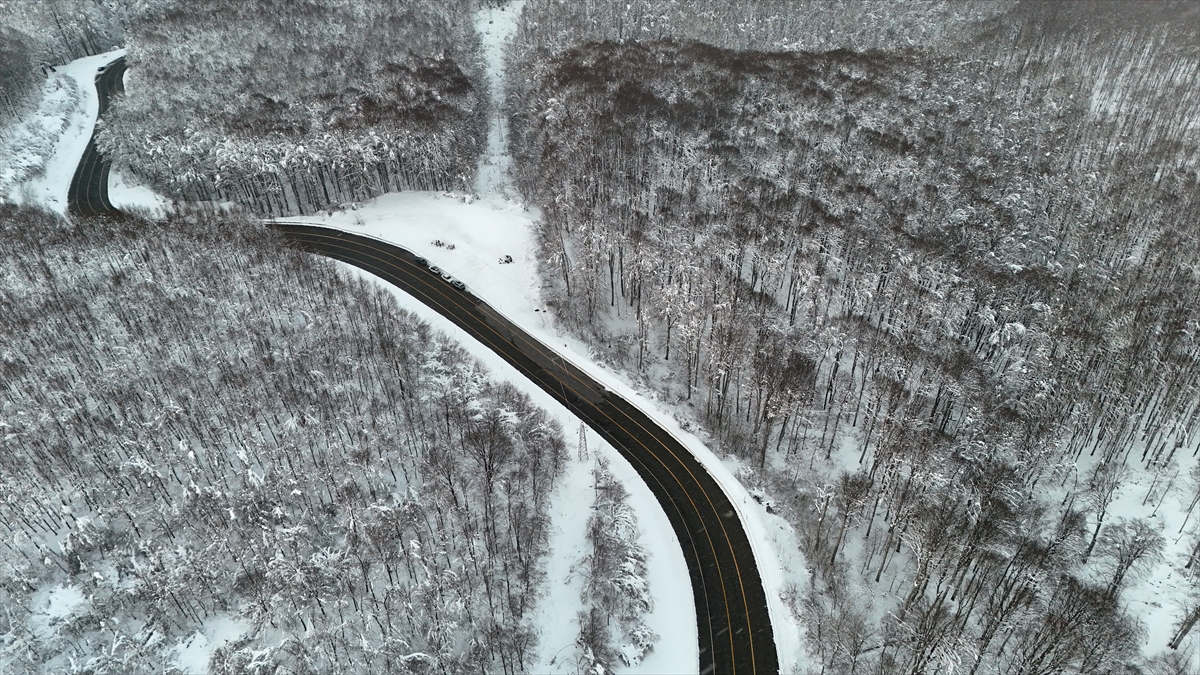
(442, 273)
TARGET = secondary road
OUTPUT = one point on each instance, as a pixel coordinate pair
(733, 622)
(88, 194)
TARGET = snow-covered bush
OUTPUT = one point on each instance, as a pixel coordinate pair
(27, 146)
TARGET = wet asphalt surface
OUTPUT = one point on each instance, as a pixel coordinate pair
(88, 194)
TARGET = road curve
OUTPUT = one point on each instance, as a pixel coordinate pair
(88, 194)
(733, 621)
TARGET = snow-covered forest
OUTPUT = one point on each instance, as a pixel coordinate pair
(288, 107)
(38, 34)
(221, 452)
(928, 271)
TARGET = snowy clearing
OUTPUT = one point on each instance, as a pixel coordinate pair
(193, 653)
(58, 605)
(495, 26)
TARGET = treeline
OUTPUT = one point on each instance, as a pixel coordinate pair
(291, 107)
(915, 288)
(551, 26)
(199, 425)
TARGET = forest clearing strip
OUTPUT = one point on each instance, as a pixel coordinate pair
(340, 249)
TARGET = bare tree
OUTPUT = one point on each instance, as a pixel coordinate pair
(1129, 544)
(1102, 485)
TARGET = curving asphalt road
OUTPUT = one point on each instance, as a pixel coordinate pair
(733, 622)
(88, 194)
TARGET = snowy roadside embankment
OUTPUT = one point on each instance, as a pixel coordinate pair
(41, 153)
(28, 145)
(125, 192)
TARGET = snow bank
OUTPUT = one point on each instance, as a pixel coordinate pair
(127, 193)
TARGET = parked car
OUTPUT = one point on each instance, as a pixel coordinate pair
(459, 285)
(423, 262)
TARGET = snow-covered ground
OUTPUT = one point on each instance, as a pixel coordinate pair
(192, 654)
(1157, 596)
(54, 606)
(53, 164)
(128, 194)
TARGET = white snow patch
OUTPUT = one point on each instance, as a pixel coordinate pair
(193, 652)
(49, 187)
(557, 609)
(57, 605)
(125, 192)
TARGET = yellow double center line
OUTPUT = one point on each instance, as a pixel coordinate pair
(338, 242)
